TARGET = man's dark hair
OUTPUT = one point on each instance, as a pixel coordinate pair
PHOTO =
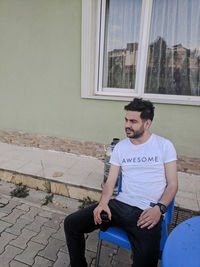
(144, 106)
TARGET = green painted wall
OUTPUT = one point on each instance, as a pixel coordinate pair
(40, 64)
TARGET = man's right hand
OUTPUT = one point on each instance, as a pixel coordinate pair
(97, 213)
(106, 194)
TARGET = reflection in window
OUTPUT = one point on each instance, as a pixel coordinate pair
(121, 43)
(173, 65)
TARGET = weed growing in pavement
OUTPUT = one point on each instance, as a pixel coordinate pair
(48, 187)
(86, 201)
(20, 191)
(48, 199)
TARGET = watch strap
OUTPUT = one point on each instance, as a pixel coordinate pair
(162, 207)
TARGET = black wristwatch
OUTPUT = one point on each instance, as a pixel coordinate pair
(162, 207)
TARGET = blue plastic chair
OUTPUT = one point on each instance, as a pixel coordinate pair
(117, 236)
(182, 248)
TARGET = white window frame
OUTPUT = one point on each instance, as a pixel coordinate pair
(91, 58)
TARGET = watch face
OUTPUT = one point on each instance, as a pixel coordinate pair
(162, 208)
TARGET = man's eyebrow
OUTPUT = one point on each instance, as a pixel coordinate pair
(131, 120)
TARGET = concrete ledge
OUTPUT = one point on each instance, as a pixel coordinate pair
(74, 176)
(61, 173)
(185, 164)
(44, 184)
(188, 195)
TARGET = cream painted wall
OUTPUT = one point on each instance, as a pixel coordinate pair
(40, 56)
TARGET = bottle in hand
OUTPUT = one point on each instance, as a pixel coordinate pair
(105, 220)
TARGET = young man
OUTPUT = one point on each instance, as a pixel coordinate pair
(149, 183)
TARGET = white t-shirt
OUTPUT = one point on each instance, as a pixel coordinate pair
(143, 173)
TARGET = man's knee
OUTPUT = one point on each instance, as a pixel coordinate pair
(68, 223)
(80, 221)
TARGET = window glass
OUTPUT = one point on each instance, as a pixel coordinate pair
(173, 64)
(121, 38)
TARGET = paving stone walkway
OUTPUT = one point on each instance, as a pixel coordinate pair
(32, 234)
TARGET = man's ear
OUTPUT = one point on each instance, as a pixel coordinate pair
(148, 124)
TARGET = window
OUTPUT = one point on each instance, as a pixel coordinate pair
(118, 57)
(149, 49)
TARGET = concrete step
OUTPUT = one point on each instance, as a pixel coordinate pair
(74, 176)
(61, 173)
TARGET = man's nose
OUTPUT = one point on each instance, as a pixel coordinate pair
(127, 124)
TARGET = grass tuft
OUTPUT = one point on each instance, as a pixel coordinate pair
(20, 191)
(86, 201)
(48, 199)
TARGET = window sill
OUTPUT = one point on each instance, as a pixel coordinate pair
(163, 99)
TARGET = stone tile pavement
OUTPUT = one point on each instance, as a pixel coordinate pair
(32, 234)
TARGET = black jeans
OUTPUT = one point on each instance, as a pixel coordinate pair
(145, 243)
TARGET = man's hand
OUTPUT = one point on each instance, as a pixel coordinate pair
(149, 217)
(97, 213)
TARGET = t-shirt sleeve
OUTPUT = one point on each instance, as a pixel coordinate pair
(169, 152)
(115, 159)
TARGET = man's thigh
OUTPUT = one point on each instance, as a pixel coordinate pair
(82, 221)
(145, 244)
(123, 214)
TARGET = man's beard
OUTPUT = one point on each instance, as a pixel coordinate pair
(136, 134)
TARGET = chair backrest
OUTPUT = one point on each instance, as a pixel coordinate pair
(167, 220)
(170, 212)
